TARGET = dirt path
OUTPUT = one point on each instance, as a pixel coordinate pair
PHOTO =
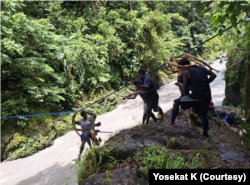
(52, 165)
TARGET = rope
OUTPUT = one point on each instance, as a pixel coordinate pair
(97, 101)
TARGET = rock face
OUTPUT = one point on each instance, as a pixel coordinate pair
(180, 137)
(116, 177)
(221, 150)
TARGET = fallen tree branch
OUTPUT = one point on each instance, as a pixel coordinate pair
(204, 63)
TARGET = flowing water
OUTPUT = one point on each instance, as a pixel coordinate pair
(53, 165)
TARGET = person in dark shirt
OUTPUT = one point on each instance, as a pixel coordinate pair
(200, 97)
(152, 94)
(140, 91)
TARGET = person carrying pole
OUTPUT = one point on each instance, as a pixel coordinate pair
(200, 97)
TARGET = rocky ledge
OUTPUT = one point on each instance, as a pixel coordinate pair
(126, 157)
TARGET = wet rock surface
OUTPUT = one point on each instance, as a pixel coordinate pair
(179, 137)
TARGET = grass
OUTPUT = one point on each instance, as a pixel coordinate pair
(108, 180)
(245, 138)
(154, 157)
(96, 160)
(157, 158)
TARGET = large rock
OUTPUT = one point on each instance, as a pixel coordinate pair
(131, 146)
(180, 137)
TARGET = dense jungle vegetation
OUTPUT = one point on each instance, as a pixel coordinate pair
(61, 55)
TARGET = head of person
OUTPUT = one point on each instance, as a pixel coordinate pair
(141, 72)
(84, 114)
(183, 62)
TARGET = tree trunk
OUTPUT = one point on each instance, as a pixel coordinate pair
(130, 5)
(69, 76)
(247, 90)
(94, 9)
(30, 41)
(247, 82)
(150, 40)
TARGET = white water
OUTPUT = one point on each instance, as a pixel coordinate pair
(52, 165)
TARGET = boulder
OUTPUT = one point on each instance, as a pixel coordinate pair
(131, 146)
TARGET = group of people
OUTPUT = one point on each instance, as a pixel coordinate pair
(193, 78)
(193, 82)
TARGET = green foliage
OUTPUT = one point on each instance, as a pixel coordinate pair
(21, 123)
(108, 180)
(51, 50)
(31, 135)
(223, 14)
(57, 55)
(245, 138)
(96, 160)
(157, 158)
(29, 54)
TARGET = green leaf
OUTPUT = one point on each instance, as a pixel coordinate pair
(220, 32)
(40, 79)
(60, 56)
(233, 20)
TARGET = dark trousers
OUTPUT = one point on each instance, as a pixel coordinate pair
(198, 106)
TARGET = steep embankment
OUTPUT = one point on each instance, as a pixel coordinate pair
(52, 165)
(127, 156)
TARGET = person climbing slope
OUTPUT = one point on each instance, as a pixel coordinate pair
(200, 96)
(152, 94)
(143, 94)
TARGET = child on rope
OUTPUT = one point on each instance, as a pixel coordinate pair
(200, 97)
(143, 94)
(88, 126)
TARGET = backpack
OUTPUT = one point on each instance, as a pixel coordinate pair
(230, 118)
(220, 113)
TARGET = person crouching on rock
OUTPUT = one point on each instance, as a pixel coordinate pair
(200, 97)
(88, 126)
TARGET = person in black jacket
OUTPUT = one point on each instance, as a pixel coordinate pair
(196, 77)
